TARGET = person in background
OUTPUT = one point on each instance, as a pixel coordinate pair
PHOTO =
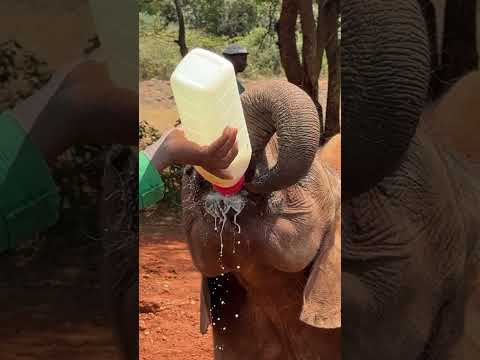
(238, 56)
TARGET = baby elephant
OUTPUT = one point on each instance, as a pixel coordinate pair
(271, 273)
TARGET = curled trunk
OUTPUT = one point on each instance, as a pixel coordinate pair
(282, 108)
(385, 75)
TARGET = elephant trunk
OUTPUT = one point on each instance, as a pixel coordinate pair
(282, 108)
(385, 76)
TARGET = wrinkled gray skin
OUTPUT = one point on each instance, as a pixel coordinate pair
(410, 209)
(287, 239)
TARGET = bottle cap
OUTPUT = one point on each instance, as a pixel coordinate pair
(230, 190)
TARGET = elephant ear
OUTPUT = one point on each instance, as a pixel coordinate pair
(453, 122)
(322, 293)
(330, 153)
(205, 306)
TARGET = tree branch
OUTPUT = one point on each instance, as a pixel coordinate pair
(182, 43)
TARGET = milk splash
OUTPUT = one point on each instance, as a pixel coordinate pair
(218, 206)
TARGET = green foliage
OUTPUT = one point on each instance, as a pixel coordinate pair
(224, 17)
(172, 177)
(159, 54)
(215, 17)
(212, 25)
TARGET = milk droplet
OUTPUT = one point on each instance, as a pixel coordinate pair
(213, 324)
(218, 319)
(217, 206)
(223, 302)
(224, 328)
(236, 316)
(238, 267)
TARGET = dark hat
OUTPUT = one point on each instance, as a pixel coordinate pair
(234, 49)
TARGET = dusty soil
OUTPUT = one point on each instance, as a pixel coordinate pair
(51, 302)
(169, 298)
(169, 292)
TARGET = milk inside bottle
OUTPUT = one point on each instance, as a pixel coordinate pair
(206, 94)
(113, 21)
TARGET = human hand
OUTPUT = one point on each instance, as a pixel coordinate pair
(173, 147)
(220, 154)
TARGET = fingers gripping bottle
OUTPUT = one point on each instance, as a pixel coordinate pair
(207, 99)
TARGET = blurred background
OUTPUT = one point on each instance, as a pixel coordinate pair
(284, 41)
(50, 296)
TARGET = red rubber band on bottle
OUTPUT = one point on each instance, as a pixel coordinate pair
(230, 190)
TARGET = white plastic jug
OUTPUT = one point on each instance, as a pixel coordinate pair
(206, 94)
(114, 21)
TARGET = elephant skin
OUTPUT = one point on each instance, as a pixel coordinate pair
(277, 296)
(410, 217)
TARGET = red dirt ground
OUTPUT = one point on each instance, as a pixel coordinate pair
(169, 299)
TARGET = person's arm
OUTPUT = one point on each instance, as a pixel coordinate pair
(174, 148)
(29, 197)
(151, 187)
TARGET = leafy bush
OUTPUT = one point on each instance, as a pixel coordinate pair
(224, 17)
(216, 17)
(159, 54)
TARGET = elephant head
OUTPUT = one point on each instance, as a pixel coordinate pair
(288, 225)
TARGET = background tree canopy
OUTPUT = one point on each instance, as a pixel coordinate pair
(217, 17)
(211, 25)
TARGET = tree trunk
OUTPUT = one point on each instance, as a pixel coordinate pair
(318, 35)
(458, 52)
(287, 42)
(182, 43)
(309, 50)
(332, 117)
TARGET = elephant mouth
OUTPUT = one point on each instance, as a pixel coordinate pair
(214, 207)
